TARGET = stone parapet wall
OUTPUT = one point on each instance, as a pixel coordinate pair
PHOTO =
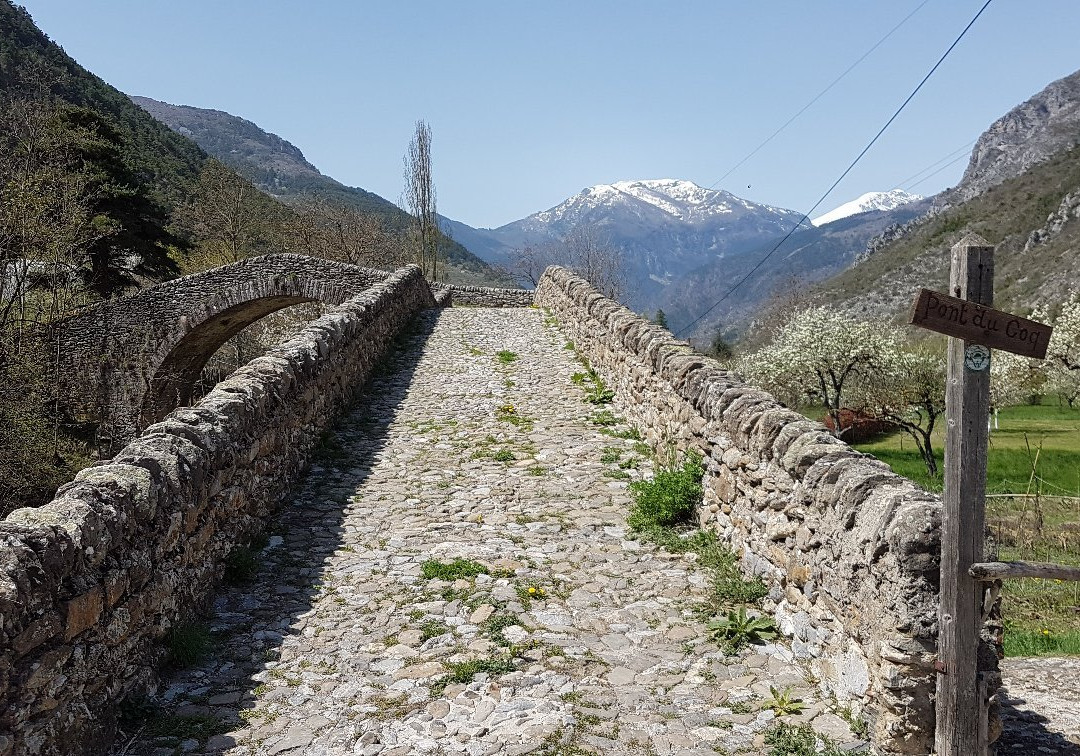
(848, 549)
(483, 296)
(91, 583)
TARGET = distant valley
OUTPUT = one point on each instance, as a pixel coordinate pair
(684, 246)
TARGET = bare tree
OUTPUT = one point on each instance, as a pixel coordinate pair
(230, 218)
(586, 251)
(420, 200)
(321, 227)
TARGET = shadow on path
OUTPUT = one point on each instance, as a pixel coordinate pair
(210, 708)
(1028, 732)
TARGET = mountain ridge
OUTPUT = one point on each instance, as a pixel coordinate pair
(280, 168)
(865, 203)
(1020, 192)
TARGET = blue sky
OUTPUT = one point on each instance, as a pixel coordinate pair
(531, 102)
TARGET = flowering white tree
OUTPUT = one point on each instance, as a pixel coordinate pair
(909, 392)
(1012, 379)
(818, 355)
(1063, 353)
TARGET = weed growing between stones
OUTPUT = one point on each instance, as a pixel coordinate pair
(188, 645)
(783, 702)
(604, 418)
(786, 740)
(505, 356)
(494, 625)
(455, 570)
(738, 629)
(526, 593)
(595, 390)
(628, 433)
(433, 629)
(669, 498)
(464, 672)
(610, 454)
(508, 413)
(241, 565)
(860, 728)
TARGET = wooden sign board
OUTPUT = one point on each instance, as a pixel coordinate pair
(982, 325)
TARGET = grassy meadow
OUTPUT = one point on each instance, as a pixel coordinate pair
(1034, 456)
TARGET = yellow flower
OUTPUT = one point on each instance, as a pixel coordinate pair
(1045, 631)
(532, 589)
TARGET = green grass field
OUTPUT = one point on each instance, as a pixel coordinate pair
(1041, 616)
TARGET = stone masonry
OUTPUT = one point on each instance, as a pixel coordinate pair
(128, 362)
(481, 296)
(91, 583)
(849, 549)
(581, 639)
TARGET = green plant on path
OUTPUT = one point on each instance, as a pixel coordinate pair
(669, 498)
(738, 629)
(783, 702)
(455, 570)
(787, 740)
(505, 356)
(188, 645)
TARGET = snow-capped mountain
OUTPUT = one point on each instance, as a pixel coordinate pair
(889, 200)
(664, 200)
(665, 228)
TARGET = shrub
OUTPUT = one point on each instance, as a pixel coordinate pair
(669, 498)
(858, 426)
(188, 645)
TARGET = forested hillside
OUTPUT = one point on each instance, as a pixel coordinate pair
(278, 167)
(98, 198)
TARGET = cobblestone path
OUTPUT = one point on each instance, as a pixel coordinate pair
(576, 640)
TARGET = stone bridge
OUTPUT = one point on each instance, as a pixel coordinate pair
(303, 519)
(128, 362)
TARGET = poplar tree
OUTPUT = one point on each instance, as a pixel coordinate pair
(420, 199)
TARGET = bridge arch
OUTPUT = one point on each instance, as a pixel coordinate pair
(126, 363)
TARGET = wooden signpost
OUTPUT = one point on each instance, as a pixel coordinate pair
(966, 316)
(978, 324)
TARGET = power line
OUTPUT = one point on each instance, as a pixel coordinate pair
(926, 178)
(951, 157)
(819, 95)
(948, 164)
(843, 175)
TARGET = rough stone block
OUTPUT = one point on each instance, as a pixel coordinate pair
(82, 612)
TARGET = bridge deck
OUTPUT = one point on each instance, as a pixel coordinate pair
(341, 645)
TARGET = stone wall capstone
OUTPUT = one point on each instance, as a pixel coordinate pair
(92, 582)
(849, 550)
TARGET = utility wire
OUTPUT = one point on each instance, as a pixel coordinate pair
(924, 179)
(819, 95)
(951, 157)
(843, 175)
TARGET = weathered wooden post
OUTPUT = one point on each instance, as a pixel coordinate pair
(963, 529)
(965, 316)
